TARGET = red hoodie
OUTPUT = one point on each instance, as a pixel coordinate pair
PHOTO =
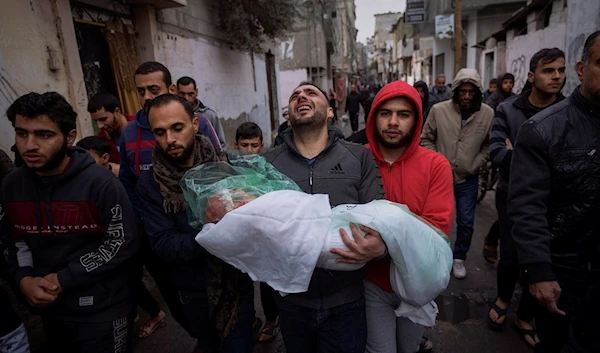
(420, 179)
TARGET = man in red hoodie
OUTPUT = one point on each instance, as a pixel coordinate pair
(411, 175)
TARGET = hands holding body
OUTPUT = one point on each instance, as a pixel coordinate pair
(363, 248)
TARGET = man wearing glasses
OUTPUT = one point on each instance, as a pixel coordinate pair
(458, 129)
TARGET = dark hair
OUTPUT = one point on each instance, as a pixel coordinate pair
(186, 80)
(306, 83)
(52, 104)
(545, 56)
(167, 98)
(152, 66)
(587, 47)
(103, 100)
(494, 81)
(95, 144)
(248, 130)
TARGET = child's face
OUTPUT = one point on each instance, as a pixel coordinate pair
(101, 160)
(249, 146)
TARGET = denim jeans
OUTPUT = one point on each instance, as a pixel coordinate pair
(342, 329)
(466, 201)
(15, 342)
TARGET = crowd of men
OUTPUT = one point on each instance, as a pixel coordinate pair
(80, 220)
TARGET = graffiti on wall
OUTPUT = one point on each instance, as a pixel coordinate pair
(518, 67)
(287, 49)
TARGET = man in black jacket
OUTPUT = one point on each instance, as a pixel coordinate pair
(547, 75)
(330, 317)
(554, 202)
(68, 232)
(353, 102)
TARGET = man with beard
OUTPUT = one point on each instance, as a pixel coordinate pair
(137, 143)
(218, 300)
(105, 110)
(73, 229)
(330, 316)
(459, 129)
(414, 176)
(547, 75)
(553, 202)
(507, 82)
(186, 87)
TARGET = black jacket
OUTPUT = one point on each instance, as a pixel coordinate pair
(353, 102)
(80, 225)
(347, 172)
(509, 117)
(554, 193)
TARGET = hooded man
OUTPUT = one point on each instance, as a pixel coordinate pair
(68, 232)
(507, 82)
(411, 175)
(330, 315)
(423, 90)
(459, 129)
(547, 75)
(217, 299)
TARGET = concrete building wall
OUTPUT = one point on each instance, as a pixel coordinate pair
(38, 52)
(290, 79)
(472, 51)
(520, 48)
(232, 83)
(583, 19)
(444, 46)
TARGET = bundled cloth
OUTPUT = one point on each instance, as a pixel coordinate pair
(280, 238)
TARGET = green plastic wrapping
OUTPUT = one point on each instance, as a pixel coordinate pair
(213, 189)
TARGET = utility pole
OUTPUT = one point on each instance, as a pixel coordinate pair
(457, 37)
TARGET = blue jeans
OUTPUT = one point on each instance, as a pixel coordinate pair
(15, 342)
(466, 201)
(342, 329)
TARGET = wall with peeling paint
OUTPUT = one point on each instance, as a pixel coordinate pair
(32, 32)
(583, 20)
(520, 48)
(232, 83)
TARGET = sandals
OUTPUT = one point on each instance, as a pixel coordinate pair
(149, 328)
(524, 333)
(270, 329)
(490, 253)
(425, 346)
(501, 312)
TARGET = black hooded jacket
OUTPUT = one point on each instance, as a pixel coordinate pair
(80, 225)
(427, 103)
(499, 96)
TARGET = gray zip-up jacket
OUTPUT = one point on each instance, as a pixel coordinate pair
(212, 116)
(347, 172)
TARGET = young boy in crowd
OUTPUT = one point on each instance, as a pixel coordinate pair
(249, 138)
(99, 149)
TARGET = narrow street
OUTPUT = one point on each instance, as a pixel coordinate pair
(461, 327)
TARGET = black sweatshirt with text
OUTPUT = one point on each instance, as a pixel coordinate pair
(78, 224)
